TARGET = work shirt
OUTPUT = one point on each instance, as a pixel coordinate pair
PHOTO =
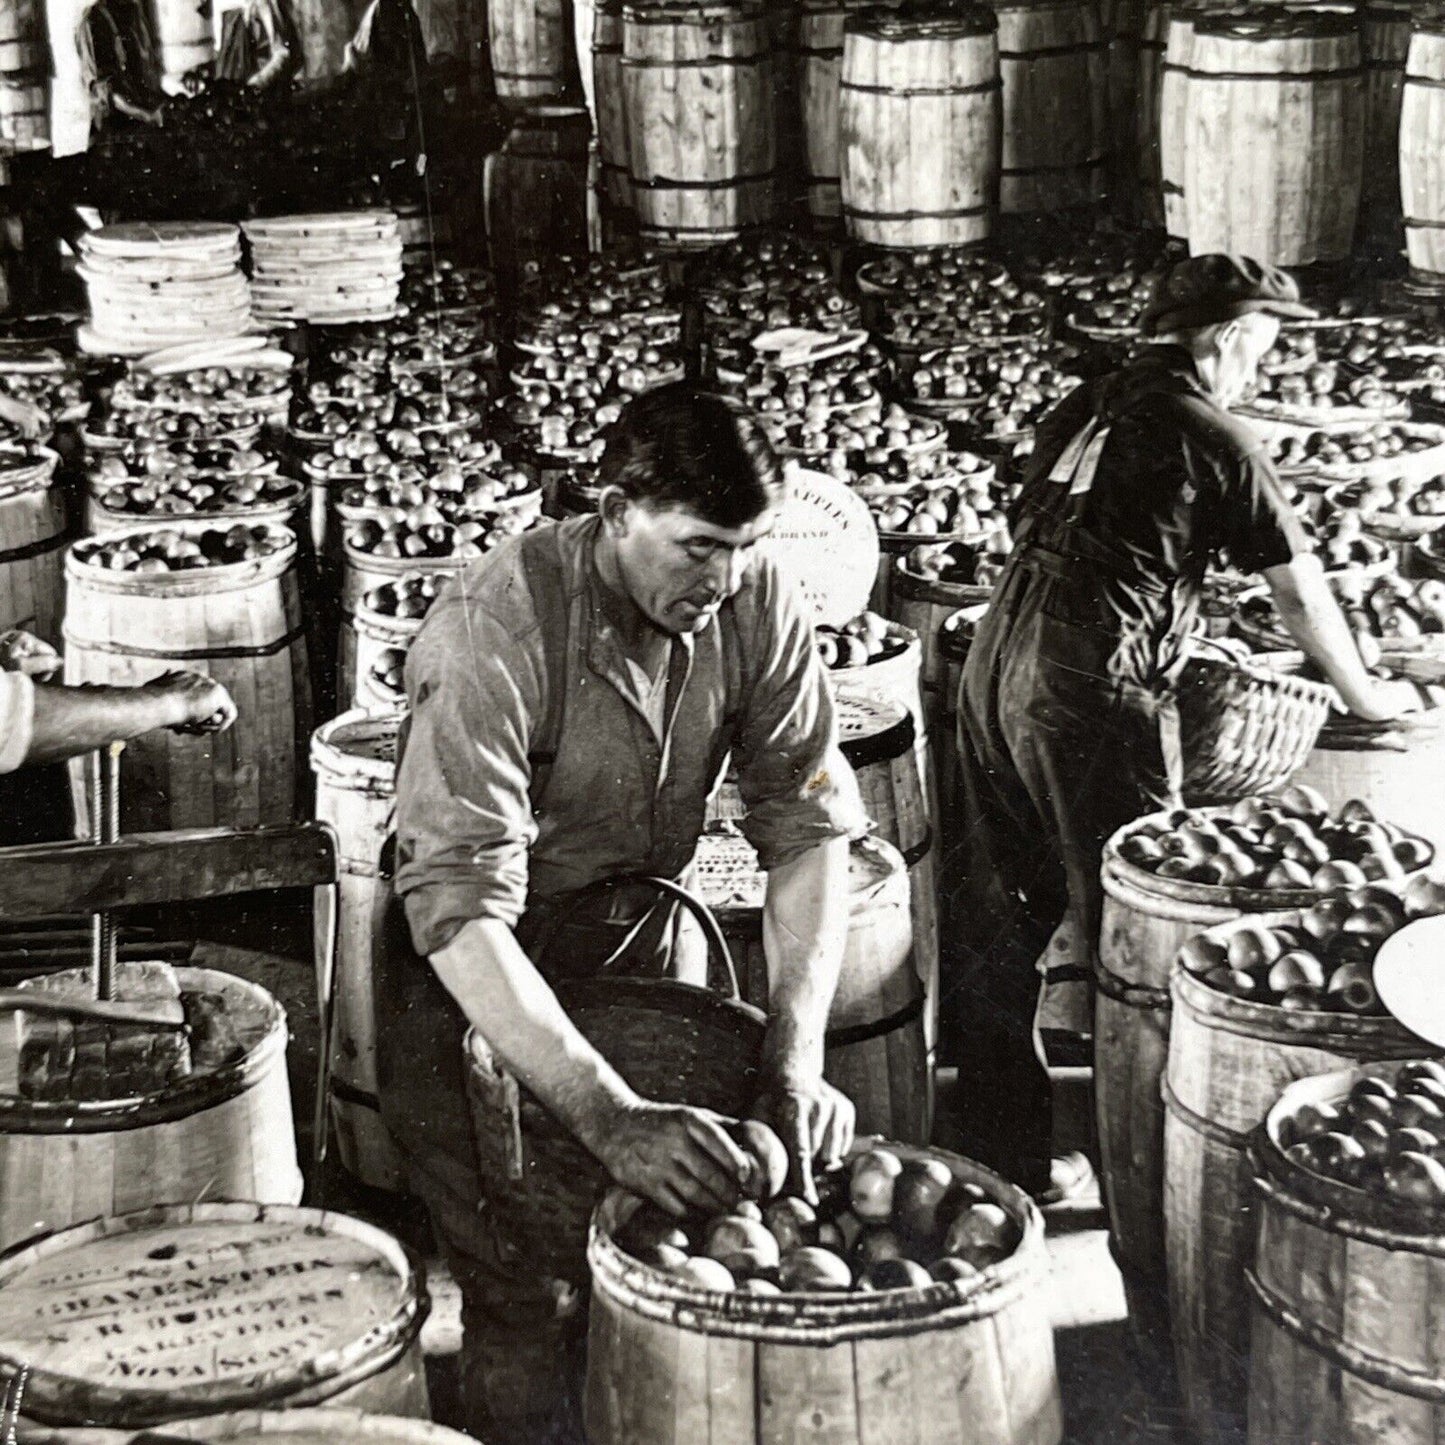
(258, 44)
(118, 56)
(530, 768)
(1178, 481)
(17, 719)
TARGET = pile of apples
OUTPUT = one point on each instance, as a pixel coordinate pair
(177, 494)
(1393, 496)
(1323, 962)
(859, 641)
(445, 348)
(1378, 609)
(203, 458)
(408, 598)
(766, 261)
(881, 1223)
(388, 674)
(169, 426)
(1325, 389)
(916, 456)
(1385, 1137)
(580, 290)
(974, 563)
(406, 403)
(429, 532)
(238, 388)
(947, 271)
(443, 286)
(1296, 349)
(1281, 841)
(1005, 390)
(1114, 302)
(399, 453)
(842, 379)
(450, 487)
(1344, 543)
(167, 551)
(950, 315)
(1323, 452)
(59, 393)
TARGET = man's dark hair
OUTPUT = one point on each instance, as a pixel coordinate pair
(682, 445)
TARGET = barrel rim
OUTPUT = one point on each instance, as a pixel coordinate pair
(911, 586)
(52, 1397)
(1326, 1203)
(878, 22)
(820, 1320)
(340, 1423)
(347, 769)
(187, 1097)
(229, 577)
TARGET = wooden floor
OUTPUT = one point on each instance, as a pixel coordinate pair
(1106, 1401)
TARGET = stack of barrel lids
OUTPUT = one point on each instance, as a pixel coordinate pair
(24, 77)
(331, 268)
(158, 284)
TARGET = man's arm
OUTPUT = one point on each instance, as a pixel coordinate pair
(678, 1157)
(805, 925)
(1313, 618)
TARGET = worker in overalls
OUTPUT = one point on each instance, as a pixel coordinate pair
(1067, 728)
(574, 697)
(259, 45)
(120, 65)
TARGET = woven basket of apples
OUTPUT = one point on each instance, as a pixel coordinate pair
(1383, 611)
(1385, 451)
(911, 1254)
(1327, 397)
(997, 394)
(115, 431)
(252, 499)
(442, 288)
(1396, 509)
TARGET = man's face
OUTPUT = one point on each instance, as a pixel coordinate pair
(1250, 341)
(677, 568)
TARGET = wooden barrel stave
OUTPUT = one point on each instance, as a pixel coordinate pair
(1296, 202)
(1173, 93)
(226, 1136)
(671, 1373)
(1053, 57)
(33, 534)
(1229, 1060)
(1385, 32)
(1151, 65)
(1422, 150)
(702, 155)
(531, 49)
(354, 759)
(819, 67)
(611, 102)
(243, 625)
(918, 128)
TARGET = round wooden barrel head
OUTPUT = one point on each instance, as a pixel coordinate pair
(1407, 977)
(219, 1305)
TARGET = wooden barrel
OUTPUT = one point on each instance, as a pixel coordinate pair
(671, 1364)
(22, 36)
(313, 1427)
(1123, 22)
(584, 35)
(919, 112)
(535, 187)
(241, 624)
(219, 1134)
(1053, 57)
(1173, 91)
(354, 759)
(1345, 1294)
(924, 604)
(1285, 87)
(784, 20)
(25, 110)
(819, 66)
(365, 635)
(1385, 32)
(531, 49)
(1394, 767)
(362, 571)
(185, 36)
(1151, 66)
(699, 98)
(1145, 921)
(877, 1053)
(611, 102)
(33, 534)
(1422, 155)
(177, 1313)
(1228, 1061)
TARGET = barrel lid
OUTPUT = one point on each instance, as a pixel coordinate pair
(1280, 22)
(140, 239)
(826, 542)
(923, 22)
(175, 1312)
(315, 1427)
(359, 742)
(681, 12)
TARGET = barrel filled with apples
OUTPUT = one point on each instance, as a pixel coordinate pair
(1255, 1007)
(907, 1305)
(1345, 1283)
(1167, 877)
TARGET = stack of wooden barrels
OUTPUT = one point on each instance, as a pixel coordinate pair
(24, 76)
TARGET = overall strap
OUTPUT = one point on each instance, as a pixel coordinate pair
(547, 583)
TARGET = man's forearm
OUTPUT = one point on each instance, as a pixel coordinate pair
(1313, 618)
(503, 997)
(73, 720)
(805, 924)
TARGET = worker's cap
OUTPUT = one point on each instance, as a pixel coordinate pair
(1210, 290)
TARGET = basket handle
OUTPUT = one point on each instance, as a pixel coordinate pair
(706, 920)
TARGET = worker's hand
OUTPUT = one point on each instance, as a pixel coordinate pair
(1387, 700)
(199, 704)
(815, 1122)
(27, 418)
(682, 1159)
(20, 652)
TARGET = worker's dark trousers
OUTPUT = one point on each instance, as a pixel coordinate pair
(1053, 761)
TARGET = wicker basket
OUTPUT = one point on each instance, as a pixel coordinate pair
(1245, 726)
(669, 1040)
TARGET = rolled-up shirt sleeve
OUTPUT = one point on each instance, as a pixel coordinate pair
(796, 786)
(17, 719)
(464, 819)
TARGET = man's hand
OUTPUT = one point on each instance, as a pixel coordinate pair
(815, 1122)
(21, 652)
(200, 705)
(1387, 700)
(682, 1159)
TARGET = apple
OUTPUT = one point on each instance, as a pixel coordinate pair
(1424, 897)
(770, 1158)
(732, 1234)
(920, 1188)
(953, 1270)
(705, 1273)
(1416, 1177)
(983, 1234)
(871, 1184)
(1417, 1111)
(1296, 969)
(886, 1274)
(757, 1285)
(792, 1222)
(661, 1256)
(1338, 1155)
(876, 1244)
(813, 1268)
